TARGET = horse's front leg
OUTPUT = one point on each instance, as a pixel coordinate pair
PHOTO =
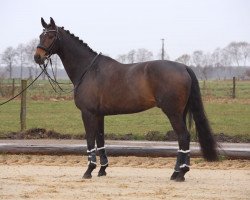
(91, 127)
(101, 147)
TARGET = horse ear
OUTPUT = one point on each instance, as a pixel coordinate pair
(52, 22)
(44, 24)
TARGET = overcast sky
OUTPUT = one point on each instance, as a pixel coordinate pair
(115, 27)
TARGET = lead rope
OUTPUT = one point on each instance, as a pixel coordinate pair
(43, 70)
(51, 80)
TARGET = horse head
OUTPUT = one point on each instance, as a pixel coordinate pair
(49, 39)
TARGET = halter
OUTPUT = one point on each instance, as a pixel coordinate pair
(49, 49)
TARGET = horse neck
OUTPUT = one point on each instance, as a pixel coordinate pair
(75, 57)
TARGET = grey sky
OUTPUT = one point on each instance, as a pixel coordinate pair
(117, 26)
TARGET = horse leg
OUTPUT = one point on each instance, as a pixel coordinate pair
(183, 155)
(91, 127)
(101, 148)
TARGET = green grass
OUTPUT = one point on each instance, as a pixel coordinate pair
(231, 118)
(60, 116)
(210, 88)
(223, 89)
(227, 116)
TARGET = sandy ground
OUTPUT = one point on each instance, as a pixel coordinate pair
(59, 177)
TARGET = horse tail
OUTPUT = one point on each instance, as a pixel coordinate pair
(205, 135)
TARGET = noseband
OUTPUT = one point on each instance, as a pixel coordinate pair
(49, 49)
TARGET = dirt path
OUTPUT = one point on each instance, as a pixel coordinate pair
(59, 177)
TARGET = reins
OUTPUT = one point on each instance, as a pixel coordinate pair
(85, 72)
(53, 82)
(43, 70)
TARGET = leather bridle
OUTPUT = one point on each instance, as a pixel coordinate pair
(49, 49)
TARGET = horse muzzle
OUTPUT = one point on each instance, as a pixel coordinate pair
(40, 56)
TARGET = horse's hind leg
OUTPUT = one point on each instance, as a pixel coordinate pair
(101, 147)
(183, 155)
(177, 115)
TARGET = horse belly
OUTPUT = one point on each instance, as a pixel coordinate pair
(125, 101)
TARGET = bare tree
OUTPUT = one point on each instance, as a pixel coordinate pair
(131, 56)
(239, 51)
(207, 60)
(21, 57)
(197, 58)
(30, 50)
(56, 62)
(220, 57)
(122, 58)
(9, 59)
(245, 49)
(185, 59)
(143, 55)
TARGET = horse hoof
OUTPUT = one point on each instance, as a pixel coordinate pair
(174, 176)
(102, 173)
(180, 179)
(87, 176)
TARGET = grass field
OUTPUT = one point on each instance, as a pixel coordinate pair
(210, 88)
(46, 109)
(228, 117)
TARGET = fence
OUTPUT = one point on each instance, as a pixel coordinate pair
(41, 90)
(234, 88)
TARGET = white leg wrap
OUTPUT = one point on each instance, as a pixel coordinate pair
(182, 151)
(184, 165)
(98, 149)
(90, 151)
(91, 162)
(105, 164)
(183, 160)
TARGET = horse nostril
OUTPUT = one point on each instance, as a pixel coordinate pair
(37, 57)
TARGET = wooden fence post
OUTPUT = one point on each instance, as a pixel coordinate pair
(13, 87)
(234, 84)
(23, 105)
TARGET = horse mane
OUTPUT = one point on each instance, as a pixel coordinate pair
(78, 39)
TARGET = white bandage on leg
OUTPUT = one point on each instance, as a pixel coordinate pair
(90, 151)
(98, 149)
(182, 151)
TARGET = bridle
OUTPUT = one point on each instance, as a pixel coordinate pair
(49, 49)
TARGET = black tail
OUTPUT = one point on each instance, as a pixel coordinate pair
(205, 135)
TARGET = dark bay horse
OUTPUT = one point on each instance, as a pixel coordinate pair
(104, 86)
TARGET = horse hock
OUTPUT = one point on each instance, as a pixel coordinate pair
(181, 166)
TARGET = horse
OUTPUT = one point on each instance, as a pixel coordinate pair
(103, 86)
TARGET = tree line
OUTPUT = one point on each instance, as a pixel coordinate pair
(235, 54)
(22, 57)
